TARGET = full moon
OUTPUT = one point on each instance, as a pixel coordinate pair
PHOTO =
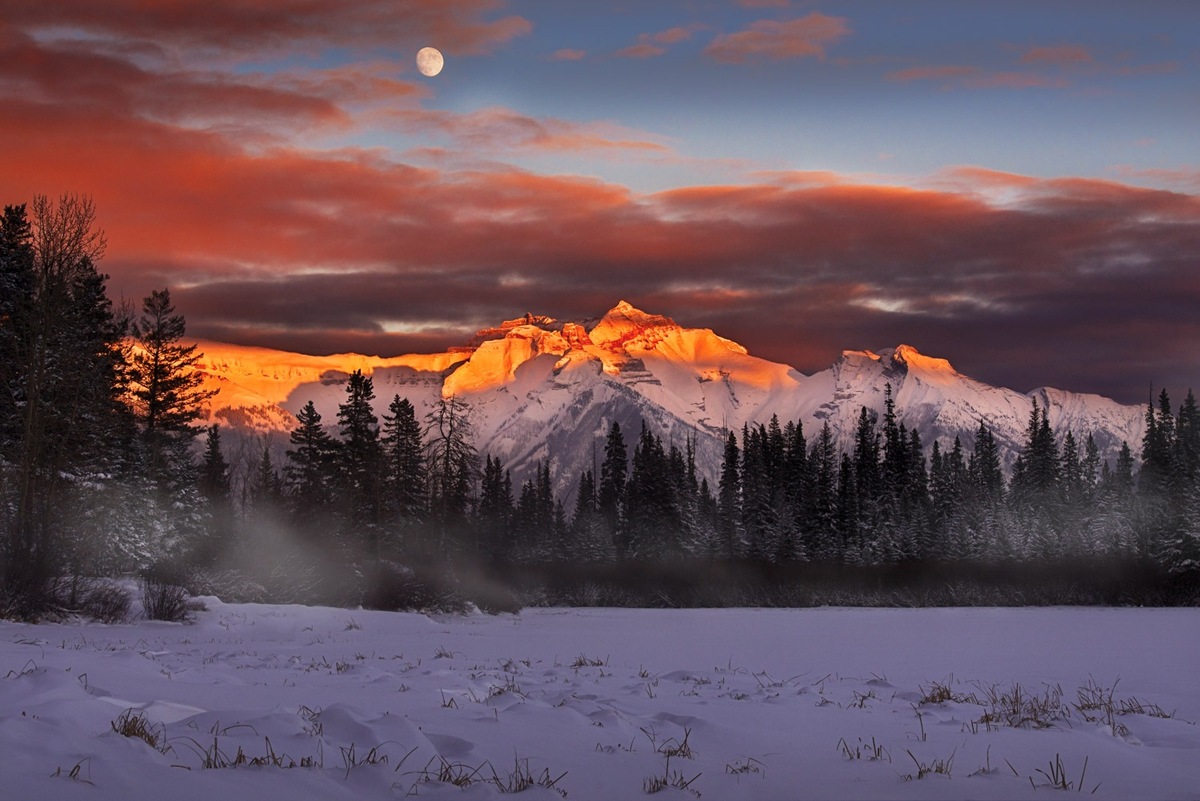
(429, 61)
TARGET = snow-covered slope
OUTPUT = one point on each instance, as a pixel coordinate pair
(542, 389)
(254, 702)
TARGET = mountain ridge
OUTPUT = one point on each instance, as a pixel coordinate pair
(542, 389)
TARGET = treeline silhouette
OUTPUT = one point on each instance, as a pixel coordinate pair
(100, 475)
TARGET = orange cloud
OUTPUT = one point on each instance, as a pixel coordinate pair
(777, 40)
(1013, 80)
(641, 50)
(496, 129)
(1157, 68)
(266, 241)
(351, 84)
(673, 35)
(1059, 55)
(1184, 177)
(967, 175)
(567, 54)
(312, 250)
(73, 74)
(650, 45)
(228, 26)
(942, 72)
(973, 77)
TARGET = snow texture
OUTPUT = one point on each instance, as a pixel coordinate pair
(750, 704)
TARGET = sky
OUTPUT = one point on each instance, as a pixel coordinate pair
(1013, 186)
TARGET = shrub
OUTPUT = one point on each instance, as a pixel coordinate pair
(164, 599)
(106, 602)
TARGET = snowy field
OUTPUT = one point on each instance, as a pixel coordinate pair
(263, 702)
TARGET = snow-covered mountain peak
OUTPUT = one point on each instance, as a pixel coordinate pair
(902, 359)
(625, 325)
(542, 389)
(909, 358)
(496, 361)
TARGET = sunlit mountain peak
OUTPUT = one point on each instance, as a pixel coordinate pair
(625, 323)
(911, 358)
(542, 390)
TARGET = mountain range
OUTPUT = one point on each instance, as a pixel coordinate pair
(545, 390)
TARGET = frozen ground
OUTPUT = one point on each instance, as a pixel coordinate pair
(751, 704)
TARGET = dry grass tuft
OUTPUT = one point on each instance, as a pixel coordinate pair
(133, 723)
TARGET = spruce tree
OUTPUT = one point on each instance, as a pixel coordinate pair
(213, 482)
(821, 496)
(652, 525)
(404, 456)
(591, 541)
(494, 512)
(60, 384)
(613, 471)
(795, 482)
(846, 545)
(266, 488)
(361, 462)
(214, 470)
(758, 524)
(1157, 481)
(17, 307)
(868, 501)
(166, 389)
(729, 501)
(310, 475)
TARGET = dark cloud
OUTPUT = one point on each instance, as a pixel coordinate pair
(1084, 284)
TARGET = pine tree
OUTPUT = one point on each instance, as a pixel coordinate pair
(758, 523)
(1157, 483)
(1187, 439)
(894, 467)
(865, 532)
(918, 534)
(794, 483)
(214, 485)
(821, 497)
(525, 534)
(591, 541)
(652, 515)
(613, 472)
(266, 488)
(166, 388)
(985, 461)
(310, 473)
(214, 470)
(847, 546)
(361, 462)
(729, 502)
(1174, 499)
(495, 511)
(1112, 525)
(1036, 488)
(451, 464)
(560, 545)
(17, 299)
(60, 410)
(404, 457)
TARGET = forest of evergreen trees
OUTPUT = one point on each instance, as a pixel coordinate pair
(102, 473)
